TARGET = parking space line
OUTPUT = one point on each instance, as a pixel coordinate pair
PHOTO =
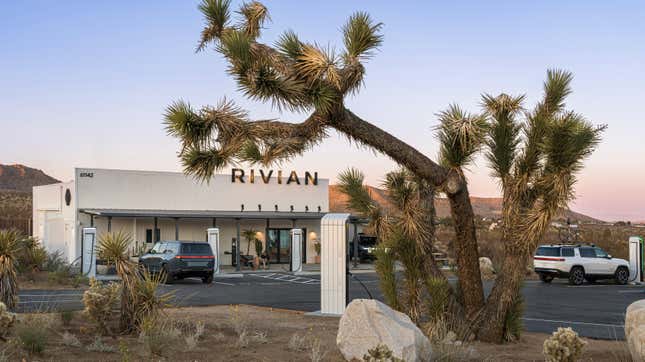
(572, 322)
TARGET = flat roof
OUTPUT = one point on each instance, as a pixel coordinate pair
(204, 214)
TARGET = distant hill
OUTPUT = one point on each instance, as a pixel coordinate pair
(22, 178)
(482, 206)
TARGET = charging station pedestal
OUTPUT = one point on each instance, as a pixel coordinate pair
(333, 266)
(213, 240)
(88, 256)
(296, 250)
(636, 256)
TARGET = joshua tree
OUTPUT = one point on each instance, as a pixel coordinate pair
(8, 278)
(302, 76)
(405, 233)
(305, 77)
(535, 160)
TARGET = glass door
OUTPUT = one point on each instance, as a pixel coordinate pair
(279, 245)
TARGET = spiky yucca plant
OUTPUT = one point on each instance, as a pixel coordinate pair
(8, 276)
(113, 248)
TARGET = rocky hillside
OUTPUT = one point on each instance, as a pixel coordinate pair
(482, 206)
(22, 178)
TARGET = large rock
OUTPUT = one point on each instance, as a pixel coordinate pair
(368, 323)
(635, 330)
(486, 268)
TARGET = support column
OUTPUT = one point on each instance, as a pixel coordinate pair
(176, 228)
(214, 222)
(237, 245)
(109, 224)
(156, 237)
(91, 220)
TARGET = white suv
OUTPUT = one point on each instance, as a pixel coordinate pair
(578, 263)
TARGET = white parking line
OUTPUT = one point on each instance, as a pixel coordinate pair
(572, 322)
(223, 283)
(287, 278)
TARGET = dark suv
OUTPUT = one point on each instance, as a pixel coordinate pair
(180, 259)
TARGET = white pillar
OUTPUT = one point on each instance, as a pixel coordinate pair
(88, 267)
(333, 278)
(213, 239)
(635, 259)
(296, 250)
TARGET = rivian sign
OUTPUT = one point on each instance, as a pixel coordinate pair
(238, 175)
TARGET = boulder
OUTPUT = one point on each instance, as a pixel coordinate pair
(486, 268)
(635, 330)
(368, 323)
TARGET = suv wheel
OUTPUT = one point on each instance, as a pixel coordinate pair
(576, 276)
(622, 275)
(208, 279)
(546, 278)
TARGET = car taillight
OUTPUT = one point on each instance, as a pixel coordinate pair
(194, 257)
(547, 259)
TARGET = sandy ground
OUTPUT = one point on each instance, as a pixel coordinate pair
(39, 280)
(220, 341)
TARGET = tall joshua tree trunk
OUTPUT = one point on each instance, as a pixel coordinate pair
(452, 182)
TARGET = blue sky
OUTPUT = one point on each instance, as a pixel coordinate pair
(85, 83)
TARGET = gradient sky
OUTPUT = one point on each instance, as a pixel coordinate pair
(85, 83)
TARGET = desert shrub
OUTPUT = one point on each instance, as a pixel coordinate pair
(564, 345)
(54, 261)
(238, 321)
(297, 343)
(513, 325)
(8, 278)
(316, 351)
(70, 340)
(380, 353)
(124, 351)
(32, 333)
(100, 300)
(98, 346)
(79, 280)
(193, 334)
(157, 334)
(7, 320)
(66, 317)
(148, 303)
(34, 258)
(449, 337)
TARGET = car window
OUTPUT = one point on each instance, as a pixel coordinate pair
(157, 248)
(600, 253)
(196, 249)
(548, 251)
(172, 247)
(587, 253)
(568, 252)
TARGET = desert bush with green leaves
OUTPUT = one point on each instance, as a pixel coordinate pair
(7, 321)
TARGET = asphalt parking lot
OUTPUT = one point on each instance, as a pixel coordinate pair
(595, 311)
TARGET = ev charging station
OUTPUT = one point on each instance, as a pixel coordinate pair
(213, 240)
(296, 250)
(88, 252)
(333, 264)
(636, 258)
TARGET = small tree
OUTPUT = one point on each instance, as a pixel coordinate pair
(8, 277)
(250, 236)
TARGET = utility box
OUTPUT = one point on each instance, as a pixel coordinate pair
(636, 256)
(333, 266)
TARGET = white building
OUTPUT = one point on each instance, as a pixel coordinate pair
(178, 207)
